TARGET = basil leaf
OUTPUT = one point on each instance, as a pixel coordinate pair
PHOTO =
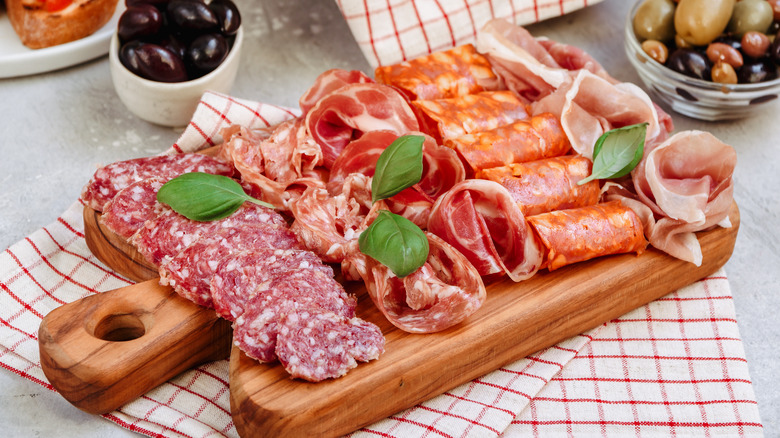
(400, 166)
(617, 152)
(396, 242)
(204, 197)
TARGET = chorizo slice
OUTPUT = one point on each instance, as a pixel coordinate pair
(548, 184)
(579, 234)
(441, 75)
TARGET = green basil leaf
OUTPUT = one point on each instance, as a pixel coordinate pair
(204, 197)
(396, 242)
(617, 152)
(400, 166)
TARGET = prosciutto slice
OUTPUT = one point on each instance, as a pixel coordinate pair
(353, 110)
(276, 168)
(480, 219)
(445, 291)
(328, 82)
(683, 185)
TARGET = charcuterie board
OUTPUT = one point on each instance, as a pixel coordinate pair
(106, 349)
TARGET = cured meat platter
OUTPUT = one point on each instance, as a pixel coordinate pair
(107, 349)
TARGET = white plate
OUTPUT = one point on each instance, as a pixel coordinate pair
(18, 60)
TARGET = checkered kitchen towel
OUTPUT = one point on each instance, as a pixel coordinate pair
(673, 367)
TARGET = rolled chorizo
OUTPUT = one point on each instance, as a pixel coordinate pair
(579, 234)
(524, 140)
(445, 119)
(441, 75)
(546, 185)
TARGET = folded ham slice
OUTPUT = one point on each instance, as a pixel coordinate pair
(328, 82)
(683, 185)
(481, 220)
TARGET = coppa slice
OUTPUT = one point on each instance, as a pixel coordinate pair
(191, 270)
(164, 236)
(255, 331)
(238, 276)
(109, 180)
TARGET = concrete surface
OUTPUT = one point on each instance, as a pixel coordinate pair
(57, 127)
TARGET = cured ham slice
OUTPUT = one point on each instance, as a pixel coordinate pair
(546, 185)
(441, 75)
(539, 137)
(132, 206)
(579, 234)
(328, 82)
(480, 219)
(445, 119)
(354, 109)
(191, 270)
(683, 185)
(445, 291)
(275, 168)
(109, 180)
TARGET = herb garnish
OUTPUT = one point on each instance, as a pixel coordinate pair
(204, 197)
(391, 239)
(617, 152)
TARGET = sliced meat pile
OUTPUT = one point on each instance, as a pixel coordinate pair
(284, 302)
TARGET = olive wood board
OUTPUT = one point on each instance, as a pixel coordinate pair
(106, 349)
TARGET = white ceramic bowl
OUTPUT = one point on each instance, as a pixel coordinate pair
(697, 98)
(170, 104)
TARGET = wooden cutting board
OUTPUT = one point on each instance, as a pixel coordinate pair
(107, 349)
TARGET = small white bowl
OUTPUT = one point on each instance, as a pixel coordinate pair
(170, 103)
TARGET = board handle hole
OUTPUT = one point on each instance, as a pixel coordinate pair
(120, 328)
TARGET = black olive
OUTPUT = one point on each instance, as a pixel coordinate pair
(153, 62)
(754, 71)
(690, 63)
(139, 22)
(206, 52)
(774, 50)
(191, 17)
(228, 15)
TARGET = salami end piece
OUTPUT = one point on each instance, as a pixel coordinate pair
(580, 234)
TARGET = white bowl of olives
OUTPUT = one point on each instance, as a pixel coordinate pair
(707, 59)
(166, 53)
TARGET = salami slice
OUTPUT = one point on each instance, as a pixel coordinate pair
(190, 271)
(524, 140)
(314, 345)
(238, 276)
(256, 330)
(580, 234)
(164, 236)
(126, 212)
(441, 75)
(548, 184)
(445, 119)
(109, 180)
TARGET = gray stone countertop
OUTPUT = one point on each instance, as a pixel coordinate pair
(57, 127)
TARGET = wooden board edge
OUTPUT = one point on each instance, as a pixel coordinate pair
(374, 391)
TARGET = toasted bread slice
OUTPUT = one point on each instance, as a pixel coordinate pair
(39, 28)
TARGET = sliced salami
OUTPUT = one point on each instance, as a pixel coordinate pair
(256, 330)
(190, 271)
(132, 206)
(238, 276)
(109, 180)
(315, 345)
(164, 236)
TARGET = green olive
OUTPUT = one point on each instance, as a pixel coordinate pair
(701, 21)
(751, 15)
(654, 20)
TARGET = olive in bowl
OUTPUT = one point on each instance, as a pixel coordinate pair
(704, 73)
(166, 54)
